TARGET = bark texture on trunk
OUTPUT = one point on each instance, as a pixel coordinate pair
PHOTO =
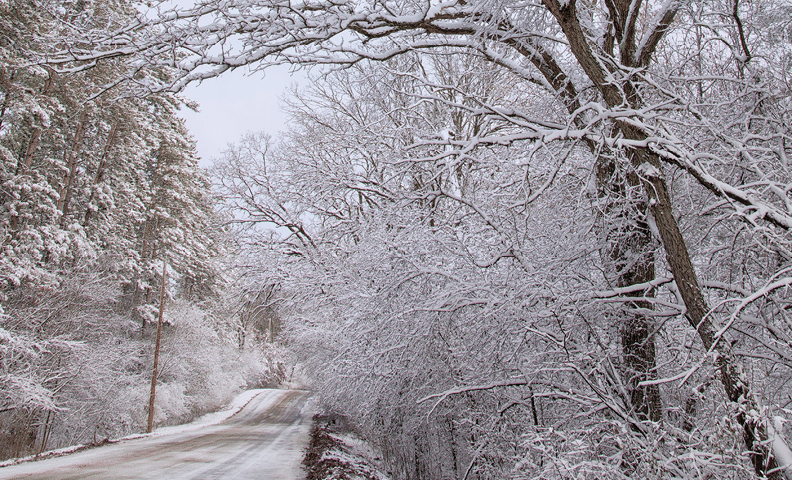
(629, 254)
(619, 92)
(638, 344)
(35, 135)
(100, 170)
(729, 367)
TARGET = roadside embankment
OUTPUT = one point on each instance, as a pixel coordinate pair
(336, 453)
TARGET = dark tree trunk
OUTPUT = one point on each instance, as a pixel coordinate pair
(100, 170)
(729, 367)
(623, 93)
(629, 254)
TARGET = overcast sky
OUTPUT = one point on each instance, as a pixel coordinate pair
(234, 104)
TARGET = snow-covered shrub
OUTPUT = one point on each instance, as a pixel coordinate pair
(204, 359)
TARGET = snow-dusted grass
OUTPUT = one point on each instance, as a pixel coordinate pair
(337, 455)
(356, 466)
(49, 454)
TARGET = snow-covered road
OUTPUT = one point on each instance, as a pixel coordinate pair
(265, 440)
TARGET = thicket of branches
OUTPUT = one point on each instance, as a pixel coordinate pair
(465, 308)
(527, 239)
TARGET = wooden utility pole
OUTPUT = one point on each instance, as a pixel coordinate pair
(154, 372)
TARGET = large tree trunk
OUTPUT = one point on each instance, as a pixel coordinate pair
(618, 94)
(33, 142)
(147, 248)
(71, 167)
(729, 367)
(35, 135)
(100, 170)
(628, 249)
(629, 256)
(7, 85)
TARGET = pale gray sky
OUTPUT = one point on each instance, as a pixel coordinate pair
(236, 103)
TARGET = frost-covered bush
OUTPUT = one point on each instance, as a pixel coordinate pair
(202, 367)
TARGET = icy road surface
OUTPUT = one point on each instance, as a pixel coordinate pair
(265, 440)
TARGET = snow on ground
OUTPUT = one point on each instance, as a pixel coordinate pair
(261, 434)
(335, 455)
(237, 404)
